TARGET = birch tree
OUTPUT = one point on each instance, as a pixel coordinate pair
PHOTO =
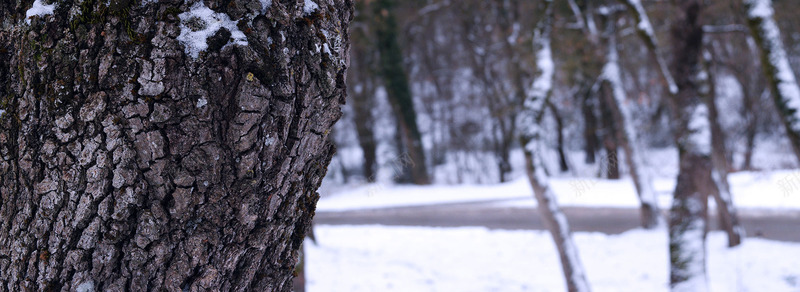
(623, 115)
(780, 77)
(728, 217)
(164, 145)
(718, 181)
(531, 141)
(687, 221)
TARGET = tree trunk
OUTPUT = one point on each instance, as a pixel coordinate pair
(608, 165)
(531, 141)
(591, 142)
(687, 222)
(361, 73)
(645, 30)
(145, 148)
(726, 212)
(751, 130)
(780, 77)
(397, 88)
(562, 155)
(623, 115)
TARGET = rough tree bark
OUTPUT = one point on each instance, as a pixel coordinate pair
(397, 88)
(780, 77)
(164, 145)
(531, 141)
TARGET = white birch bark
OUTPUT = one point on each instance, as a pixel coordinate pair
(530, 138)
(780, 76)
(728, 216)
(646, 32)
(642, 178)
(687, 222)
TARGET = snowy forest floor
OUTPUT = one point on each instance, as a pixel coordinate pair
(383, 258)
(777, 190)
(489, 237)
(420, 257)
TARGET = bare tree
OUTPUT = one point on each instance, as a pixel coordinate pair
(634, 152)
(395, 80)
(531, 138)
(682, 104)
(780, 77)
(363, 87)
(688, 215)
(617, 103)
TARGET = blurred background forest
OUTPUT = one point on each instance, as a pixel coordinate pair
(469, 63)
(514, 114)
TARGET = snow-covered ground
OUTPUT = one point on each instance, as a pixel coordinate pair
(386, 258)
(381, 258)
(766, 190)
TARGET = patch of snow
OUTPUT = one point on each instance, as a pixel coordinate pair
(39, 9)
(751, 191)
(326, 49)
(2, 112)
(85, 287)
(699, 138)
(309, 6)
(265, 4)
(200, 23)
(202, 102)
(691, 251)
(384, 258)
(269, 140)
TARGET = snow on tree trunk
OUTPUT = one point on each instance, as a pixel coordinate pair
(781, 79)
(530, 138)
(645, 30)
(642, 179)
(687, 221)
(729, 220)
(164, 145)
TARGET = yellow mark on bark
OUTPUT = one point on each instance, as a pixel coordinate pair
(250, 76)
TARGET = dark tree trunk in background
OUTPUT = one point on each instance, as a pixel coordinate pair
(129, 164)
(608, 164)
(751, 109)
(362, 108)
(398, 89)
(591, 142)
(562, 155)
(362, 92)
